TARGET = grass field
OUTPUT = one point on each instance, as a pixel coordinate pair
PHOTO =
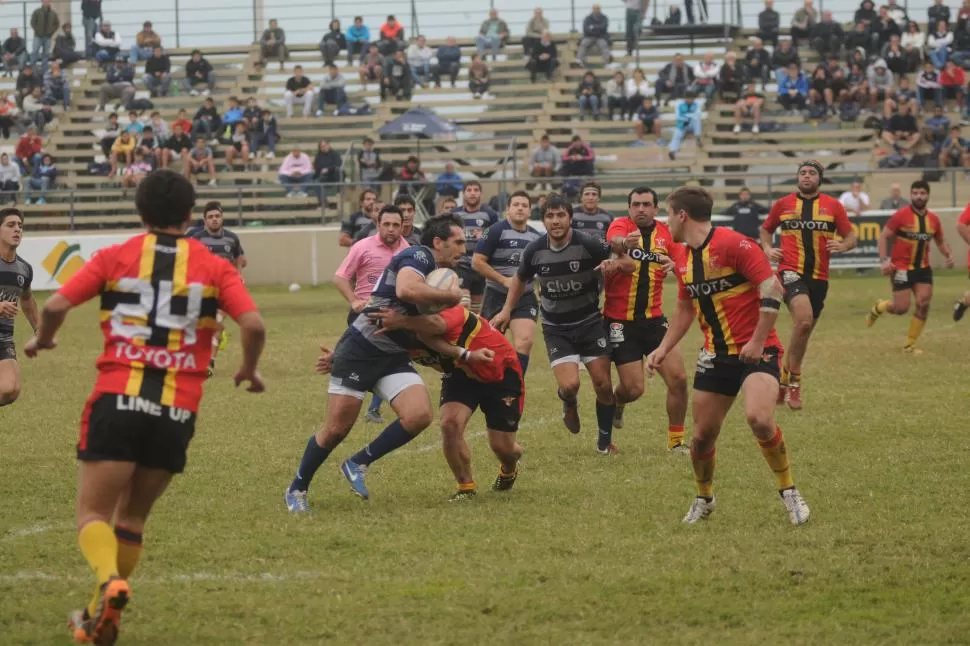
(585, 550)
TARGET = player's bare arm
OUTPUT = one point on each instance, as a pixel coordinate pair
(51, 319)
(480, 265)
(241, 262)
(501, 320)
(622, 244)
(944, 248)
(774, 255)
(9, 309)
(885, 262)
(347, 291)
(680, 322)
(28, 304)
(412, 288)
(845, 244)
(454, 352)
(771, 293)
(425, 324)
(324, 361)
(252, 331)
(612, 265)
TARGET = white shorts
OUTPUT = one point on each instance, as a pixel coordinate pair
(387, 388)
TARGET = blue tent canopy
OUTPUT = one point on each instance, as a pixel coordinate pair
(419, 122)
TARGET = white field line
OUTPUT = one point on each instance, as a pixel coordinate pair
(33, 530)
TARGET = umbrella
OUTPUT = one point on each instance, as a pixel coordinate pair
(421, 123)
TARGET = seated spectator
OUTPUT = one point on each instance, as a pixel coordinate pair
(9, 179)
(332, 43)
(637, 89)
(793, 91)
(706, 73)
(883, 30)
(688, 119)
(447, 204)
(26, 82)
(398, 81)
(296, 171)
(534, 29)
(577, 159)
(936, 129)
(647, 120)
(107, 44)
(146, 41)
(596, 33)
(392, 37)
(749, 107)
(29, 151)
(803, 21)
(200, 160)
(731, 77)
(238, 145)
(178, 146)
(358, 40)
(902, 132)
(112, 130)
(827, 35)
(673, 16)
(264, 131)
(36, 111)
(904, 94)
(369, 162)
(897, 12)
(929, 86)
(41, 180)
(492, 35)
(545, 160)
(252, 113)
(855, 200)
(198, 73)
(327, 170)
(960, 52)
(954, 79)
(272, 44)
(119, 84)
(757, 63)
(122, 151)
(207, 121)
(899, 62)
(674, 79)
(784, 55)
(148, 144)
(57, 87)
(65, 47)
(881, 82)
(159, 127)
(234, 114)
(478, 77)
(769, 24)
(371, 66)
(134, 124)
(866, 14)
(848, 108)
(299, 89)
(419, 57)
(331, 90)
(858, 38)
(449, 62)
(858, 57)
(14, 52)
(8, 113)
(747, 215)
(821, 98)
(136, 171)
(449, 182)
(938, 44)
(913, 42)
(183, 120)
(413, 179)
(895, 201)
(544, 58)
(590, 95)
(158, 74)
(858, 86)
(954, 152)
(616, 104)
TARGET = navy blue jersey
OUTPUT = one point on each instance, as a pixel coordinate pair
(475, 224)
(502, 247)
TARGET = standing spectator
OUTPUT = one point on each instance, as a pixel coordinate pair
(577, 159)
(332, 43)
(369, 162)
(272, 44)
(895, 201)
(673, 16)
(702, 14)
(757, 63)
(200, 160)
(392, 36)
(883, 29)
(110, 134)
(478, 77)
(371, 66)
(264, 132)
(784, 55)
(855, 200)
(896, 58)
(674, 79)
(158, 74)
(332, 90)
(42, 180)
(9, 179)
(122, 151)
(929, 86)
(179, 145)
(449, 182)
(938, 44)
(937, 12)
(449, 62)
(648, 120)
(596, 33)
(107, 44)
(298, 90)
(492, 35)
(534, 29)
(146, 41)
(14, 52)
(544, 58)
(749, 107)
(397, 78)
(198, 72)
(419, 57)
(207, 121)
(866, 14)
(954, 79)
(65, 47)
(296, 171)
(57, 87)
(637, 89)
(747, 215)
(358, 40)
(36, 111)
(688, 119)
(544, 162)
(8, 110)
(26, 82)
(793, 91)
(29, 151)
(706, 73)
(803, 21)
(45, 23)
(414, 182)
(827, 36)
(769, 24)
(239, 145)
(616, 104)
(590, 95)
(635, 11)
(91, 19)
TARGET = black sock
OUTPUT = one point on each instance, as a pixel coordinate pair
(375, 405)
(391, 438)
(313, 456)
(570, 400)
(604, 420)
(524, 360)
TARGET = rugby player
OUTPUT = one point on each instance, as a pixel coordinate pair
(497, 258)
(588, 217)
(225, 244)
(362, 267)
(728, 282)
(365, 359)
(811, 224)
(963, 228)
(476, 218)
(633, 309)
(913, 228)
(159, 292)
(408, 210)
(16, 276)
(359, 225)
(567, 266)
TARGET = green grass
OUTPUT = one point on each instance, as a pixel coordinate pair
(585, 550)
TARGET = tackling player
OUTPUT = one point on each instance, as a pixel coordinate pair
(476, 218)
(963, 228)
(225, 244)
(727, 282)
(633, 309)
(589, 218)
(566, 265)
(913, 227)
(497, 258)
(365, 359)
(159, 294)
(16, 276)
(811, 223)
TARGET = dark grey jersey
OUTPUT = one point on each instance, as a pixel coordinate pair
(15, 280)
(503, 247)
(224, 244)
(592, 224)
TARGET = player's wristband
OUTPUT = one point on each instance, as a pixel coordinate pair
(464, 355)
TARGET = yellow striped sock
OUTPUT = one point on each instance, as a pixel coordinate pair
(915, 329)
(100, 548)
(704, 472)
(776, 455)
(675, 435)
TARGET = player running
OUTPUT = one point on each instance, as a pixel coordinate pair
(497, 258)
(588, 217)
(566, 265)
(16, 276)
(476, 218)
(811, 224)
(726, 279)
(633, 309)
(159, 295)
(365, 359)
(963, 228)
(225, 244)
(913, 227)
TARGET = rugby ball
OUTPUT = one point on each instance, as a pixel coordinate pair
(439, 279)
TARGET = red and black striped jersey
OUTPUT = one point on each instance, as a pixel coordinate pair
(914, 232)
(806, 227)
(639, 296)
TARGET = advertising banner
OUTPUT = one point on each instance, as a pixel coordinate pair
(866, 253)
(56, 258)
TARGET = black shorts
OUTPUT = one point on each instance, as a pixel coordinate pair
(351, 317)
(796, 284)
(8, 351)
(132, 429)
(580, 343)
(725, 375)
(647, 124)
(471, 280)
(906, 279)
(494, 301)
(633, 340)
(501, 402)
(359, 367)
